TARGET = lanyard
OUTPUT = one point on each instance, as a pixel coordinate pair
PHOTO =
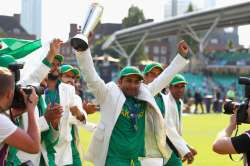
(133, 109)
(49, 99)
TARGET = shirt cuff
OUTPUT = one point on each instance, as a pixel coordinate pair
(54, 133)
(43, 124)
(185, 57)
(47, 63)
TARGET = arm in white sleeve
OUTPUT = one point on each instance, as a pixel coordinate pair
(163, 80)
(96, 85)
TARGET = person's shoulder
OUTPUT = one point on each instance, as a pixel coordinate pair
(66, 86)
(3, 117)
(247, 133)
(5, 121)
(77, 97)
(111, 84)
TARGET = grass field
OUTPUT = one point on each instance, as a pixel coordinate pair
(199, 131)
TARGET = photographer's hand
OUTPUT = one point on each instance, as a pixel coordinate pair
(30, 100)
(232, 124)
(223, 143)
(16, 112)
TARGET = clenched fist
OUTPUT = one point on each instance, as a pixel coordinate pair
(183, 48)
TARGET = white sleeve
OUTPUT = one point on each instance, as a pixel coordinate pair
(42, 123)
(7, 127)
(78, 103)
(90, 126)
(96, 85)
(174, 136)
(36, 76)
(163, 80)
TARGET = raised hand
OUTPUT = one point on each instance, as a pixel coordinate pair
(55, 45)
(183, 48)
(54, 49)
(30, 100)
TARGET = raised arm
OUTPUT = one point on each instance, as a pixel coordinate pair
(176, 66)
(41, 71)
(94, 82)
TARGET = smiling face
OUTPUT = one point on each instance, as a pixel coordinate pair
(130, 84)
(177, 90)
(152, 74)
(55, 66)
(68, 78)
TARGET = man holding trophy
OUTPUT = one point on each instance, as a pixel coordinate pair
(131, 125)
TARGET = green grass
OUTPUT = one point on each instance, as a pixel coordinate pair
(199, 131)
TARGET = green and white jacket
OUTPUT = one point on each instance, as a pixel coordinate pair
(34, 77)
(68, 98)
(173, 123)
(111, 100)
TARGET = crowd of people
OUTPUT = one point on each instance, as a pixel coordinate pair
(206, 103)
(140, 122)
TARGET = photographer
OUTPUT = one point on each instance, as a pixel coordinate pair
(225, 144)
(43, 115)
(9, 133)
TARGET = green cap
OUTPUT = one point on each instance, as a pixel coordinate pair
(77, 71)
(130, 70)
(149, 67)
(66, 68)
(178, 79)
(5, 60)
(60, 58)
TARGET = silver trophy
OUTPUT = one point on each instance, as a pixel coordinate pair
(80, 41)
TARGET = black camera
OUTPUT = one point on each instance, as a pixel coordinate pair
(18, 100)
(241, 108)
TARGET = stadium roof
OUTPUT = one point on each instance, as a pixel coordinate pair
(234, 15)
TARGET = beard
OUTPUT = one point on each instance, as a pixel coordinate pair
(130, 93)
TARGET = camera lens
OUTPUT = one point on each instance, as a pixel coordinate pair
(229, 106)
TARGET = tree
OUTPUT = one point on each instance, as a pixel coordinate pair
(135, 17)
(190, 8)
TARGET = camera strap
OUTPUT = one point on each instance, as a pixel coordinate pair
(230, 155)
(3, 154)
